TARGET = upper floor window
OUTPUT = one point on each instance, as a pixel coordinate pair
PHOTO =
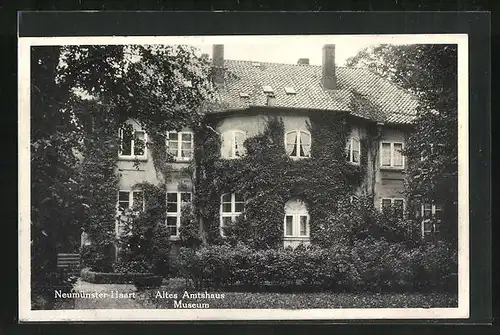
(232, 144)
(396, 204)
(298, 144)
(296, 219)
(431, 218)
(353, 150)
(180, 145)
(132, 144)
(391, 155)
(232, 205)
(175, 201)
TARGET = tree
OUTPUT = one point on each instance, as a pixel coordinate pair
(79, 91)
(429, 71)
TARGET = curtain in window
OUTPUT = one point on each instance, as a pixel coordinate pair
(239, 149)
(186, 145)
(226, 148)
(356, 148)
(386, 154)
(173, 144)
(291, 143)
(398, 155)
(305, 144)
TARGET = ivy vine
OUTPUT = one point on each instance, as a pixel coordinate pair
(267, 178)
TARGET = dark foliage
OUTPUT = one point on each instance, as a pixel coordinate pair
(366, 265)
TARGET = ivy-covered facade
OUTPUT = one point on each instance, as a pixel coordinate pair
(269, 169)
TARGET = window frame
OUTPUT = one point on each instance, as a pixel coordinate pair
(351, 150)
(177, 213)
(178, 157)
(131, 199)
(131, 205)
(132, 155)
(298, 143)
(392, 151)
(296, 225)
(232, 133)
(392, 203)
(233, 214)
(432, 219)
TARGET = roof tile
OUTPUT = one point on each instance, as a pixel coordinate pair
(360, 92)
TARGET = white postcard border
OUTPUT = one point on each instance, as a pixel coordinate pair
(28, 315)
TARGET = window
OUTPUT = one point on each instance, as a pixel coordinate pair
(353, 150)
(130, 200)
(127, 200)
(298, 144)
(232, 144)
(132, 144)
(180, 145)
(290, 90)
(175, 201)
(296, 220)
(231, 206)
(395, 204)
(431, 218)
(391, 155)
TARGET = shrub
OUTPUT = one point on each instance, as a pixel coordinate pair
(189, 229)
(368, 265)
(144, 244)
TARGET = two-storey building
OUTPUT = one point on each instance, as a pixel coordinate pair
(250, 92)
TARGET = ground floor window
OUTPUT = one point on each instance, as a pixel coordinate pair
(128, 200)
(395, 204)
(175, 202)
(296, 223)
(232, 205)
(431, 219)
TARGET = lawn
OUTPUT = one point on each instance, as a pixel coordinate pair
(295, 300)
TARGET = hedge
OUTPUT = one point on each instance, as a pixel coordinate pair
(119, 278)
(367, 265)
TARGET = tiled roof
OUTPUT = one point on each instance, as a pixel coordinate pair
(359, 91)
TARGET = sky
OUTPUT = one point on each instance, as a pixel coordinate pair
(288, 49)
(287, 53)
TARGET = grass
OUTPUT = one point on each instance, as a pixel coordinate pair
(301, 300)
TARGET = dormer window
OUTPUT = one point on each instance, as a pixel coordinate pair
(298, 144)
(244, 95)
(290, 90)
(267, 89)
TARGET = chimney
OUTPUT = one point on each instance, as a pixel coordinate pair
(303, 61)
(218, 63)
(271, 100)
(328, 79)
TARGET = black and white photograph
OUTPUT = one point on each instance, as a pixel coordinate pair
(244, 177)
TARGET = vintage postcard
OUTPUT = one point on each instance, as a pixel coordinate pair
(308, 177)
